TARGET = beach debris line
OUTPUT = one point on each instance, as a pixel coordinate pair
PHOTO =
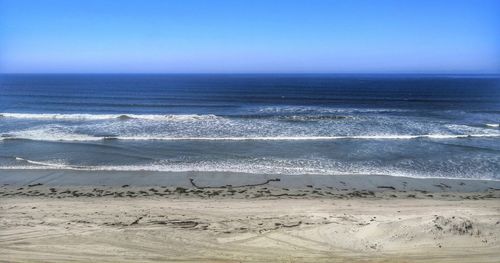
(387, 187)
(137, 220)
(238, 186)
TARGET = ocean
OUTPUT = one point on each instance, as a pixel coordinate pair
(289, 124)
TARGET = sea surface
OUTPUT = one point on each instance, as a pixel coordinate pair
(400, 125)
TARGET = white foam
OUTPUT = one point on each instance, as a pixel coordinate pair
(77, 137)
(312, 138)
(262, 166)
(322, 110)
(273, 167)
(51, 133)
(492, 125)
(47, 164)
(80, 117)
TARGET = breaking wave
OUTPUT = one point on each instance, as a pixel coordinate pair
(76, 137)
(261, 166)
(80, 117)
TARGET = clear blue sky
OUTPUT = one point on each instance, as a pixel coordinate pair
(236, 36)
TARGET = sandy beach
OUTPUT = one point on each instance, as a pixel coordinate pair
(249, 131)
(353, 219)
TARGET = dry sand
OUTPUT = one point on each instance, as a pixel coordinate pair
(247, 224)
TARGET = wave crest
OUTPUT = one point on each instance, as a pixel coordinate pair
(255, 166)
(81, 117)
(76, 137)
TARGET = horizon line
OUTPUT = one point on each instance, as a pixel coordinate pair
(247, 73)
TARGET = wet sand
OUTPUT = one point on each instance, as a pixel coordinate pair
(259, 219)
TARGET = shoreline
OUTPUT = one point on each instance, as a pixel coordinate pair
(230, 179)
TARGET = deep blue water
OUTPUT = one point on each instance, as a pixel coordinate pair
(403, 125)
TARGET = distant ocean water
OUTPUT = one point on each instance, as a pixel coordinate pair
(401, 125)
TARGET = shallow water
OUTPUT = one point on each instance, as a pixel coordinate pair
(421, 126)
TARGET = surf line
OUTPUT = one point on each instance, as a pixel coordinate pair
(277, 138)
